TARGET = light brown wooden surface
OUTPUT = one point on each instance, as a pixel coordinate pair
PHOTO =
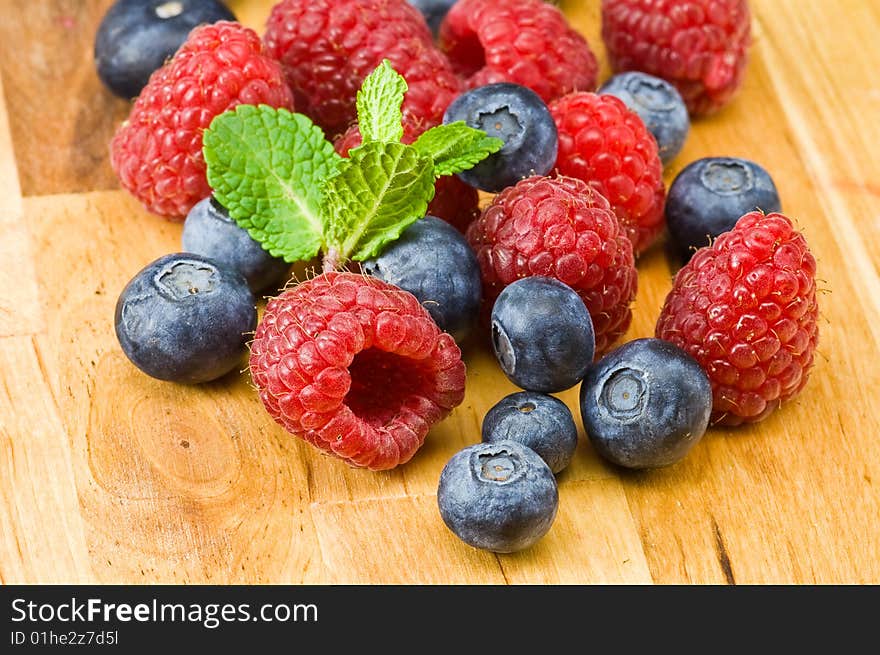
(109, 476)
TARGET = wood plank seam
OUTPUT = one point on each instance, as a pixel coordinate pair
(10, 185)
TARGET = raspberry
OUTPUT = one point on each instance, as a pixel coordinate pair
(454, 201)
(604, 143)
(562, 228)
(745, 308)
(328, 47)
(700, 46)
(157, 152)
(528, 42)
(356, 367)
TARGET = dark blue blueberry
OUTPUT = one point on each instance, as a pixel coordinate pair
(658, 104)
(537, 421)
(709, 195)
(542, 334)
(185, 318)
(434, 11)
(209, 231)
(135, 38)
(434, 262)
(517, 116)
(645, 404)
(498, 496)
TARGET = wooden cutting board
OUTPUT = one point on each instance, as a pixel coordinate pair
(109, 476)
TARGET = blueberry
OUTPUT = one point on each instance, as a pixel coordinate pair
(658, 104)
(517, 116)
(209, 231)
(434, 11)
(498, 496)
(433, 261)
(537, 421)
(135, 38)
(709, 195)
(542, 334)
(645, 404)
(185, 318)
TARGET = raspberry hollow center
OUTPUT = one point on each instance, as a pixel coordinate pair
(467, 54)
(382, 383)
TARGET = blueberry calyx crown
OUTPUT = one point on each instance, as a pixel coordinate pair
(497, 466)
(182, 279)
(527, 408)
(504, 348)
(170, 9)
(727, 178)
(653, 95)
(624, 394)
(502, 124)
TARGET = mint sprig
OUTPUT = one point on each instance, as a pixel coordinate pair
(455, 147)
(281, 180)
(375, 195)
(266, 167)
(378, 105)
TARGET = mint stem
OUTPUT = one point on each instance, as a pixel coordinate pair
(331, 260)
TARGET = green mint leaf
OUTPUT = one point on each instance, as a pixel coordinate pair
(456, 147)
(266, 167)
(378, 104)
(377, 193)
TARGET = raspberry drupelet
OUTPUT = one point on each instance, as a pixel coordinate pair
(745, 308)
(157, 152)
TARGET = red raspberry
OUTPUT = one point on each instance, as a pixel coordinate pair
(607, 145)
(157, 152)
(454, 201)
(700, 46)
(745, 308)
(528, 42)
(356, 367)
(328, 47)
(562, 228)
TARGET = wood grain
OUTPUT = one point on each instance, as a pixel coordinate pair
(42, 536)
(109, 476)
(62, 117)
